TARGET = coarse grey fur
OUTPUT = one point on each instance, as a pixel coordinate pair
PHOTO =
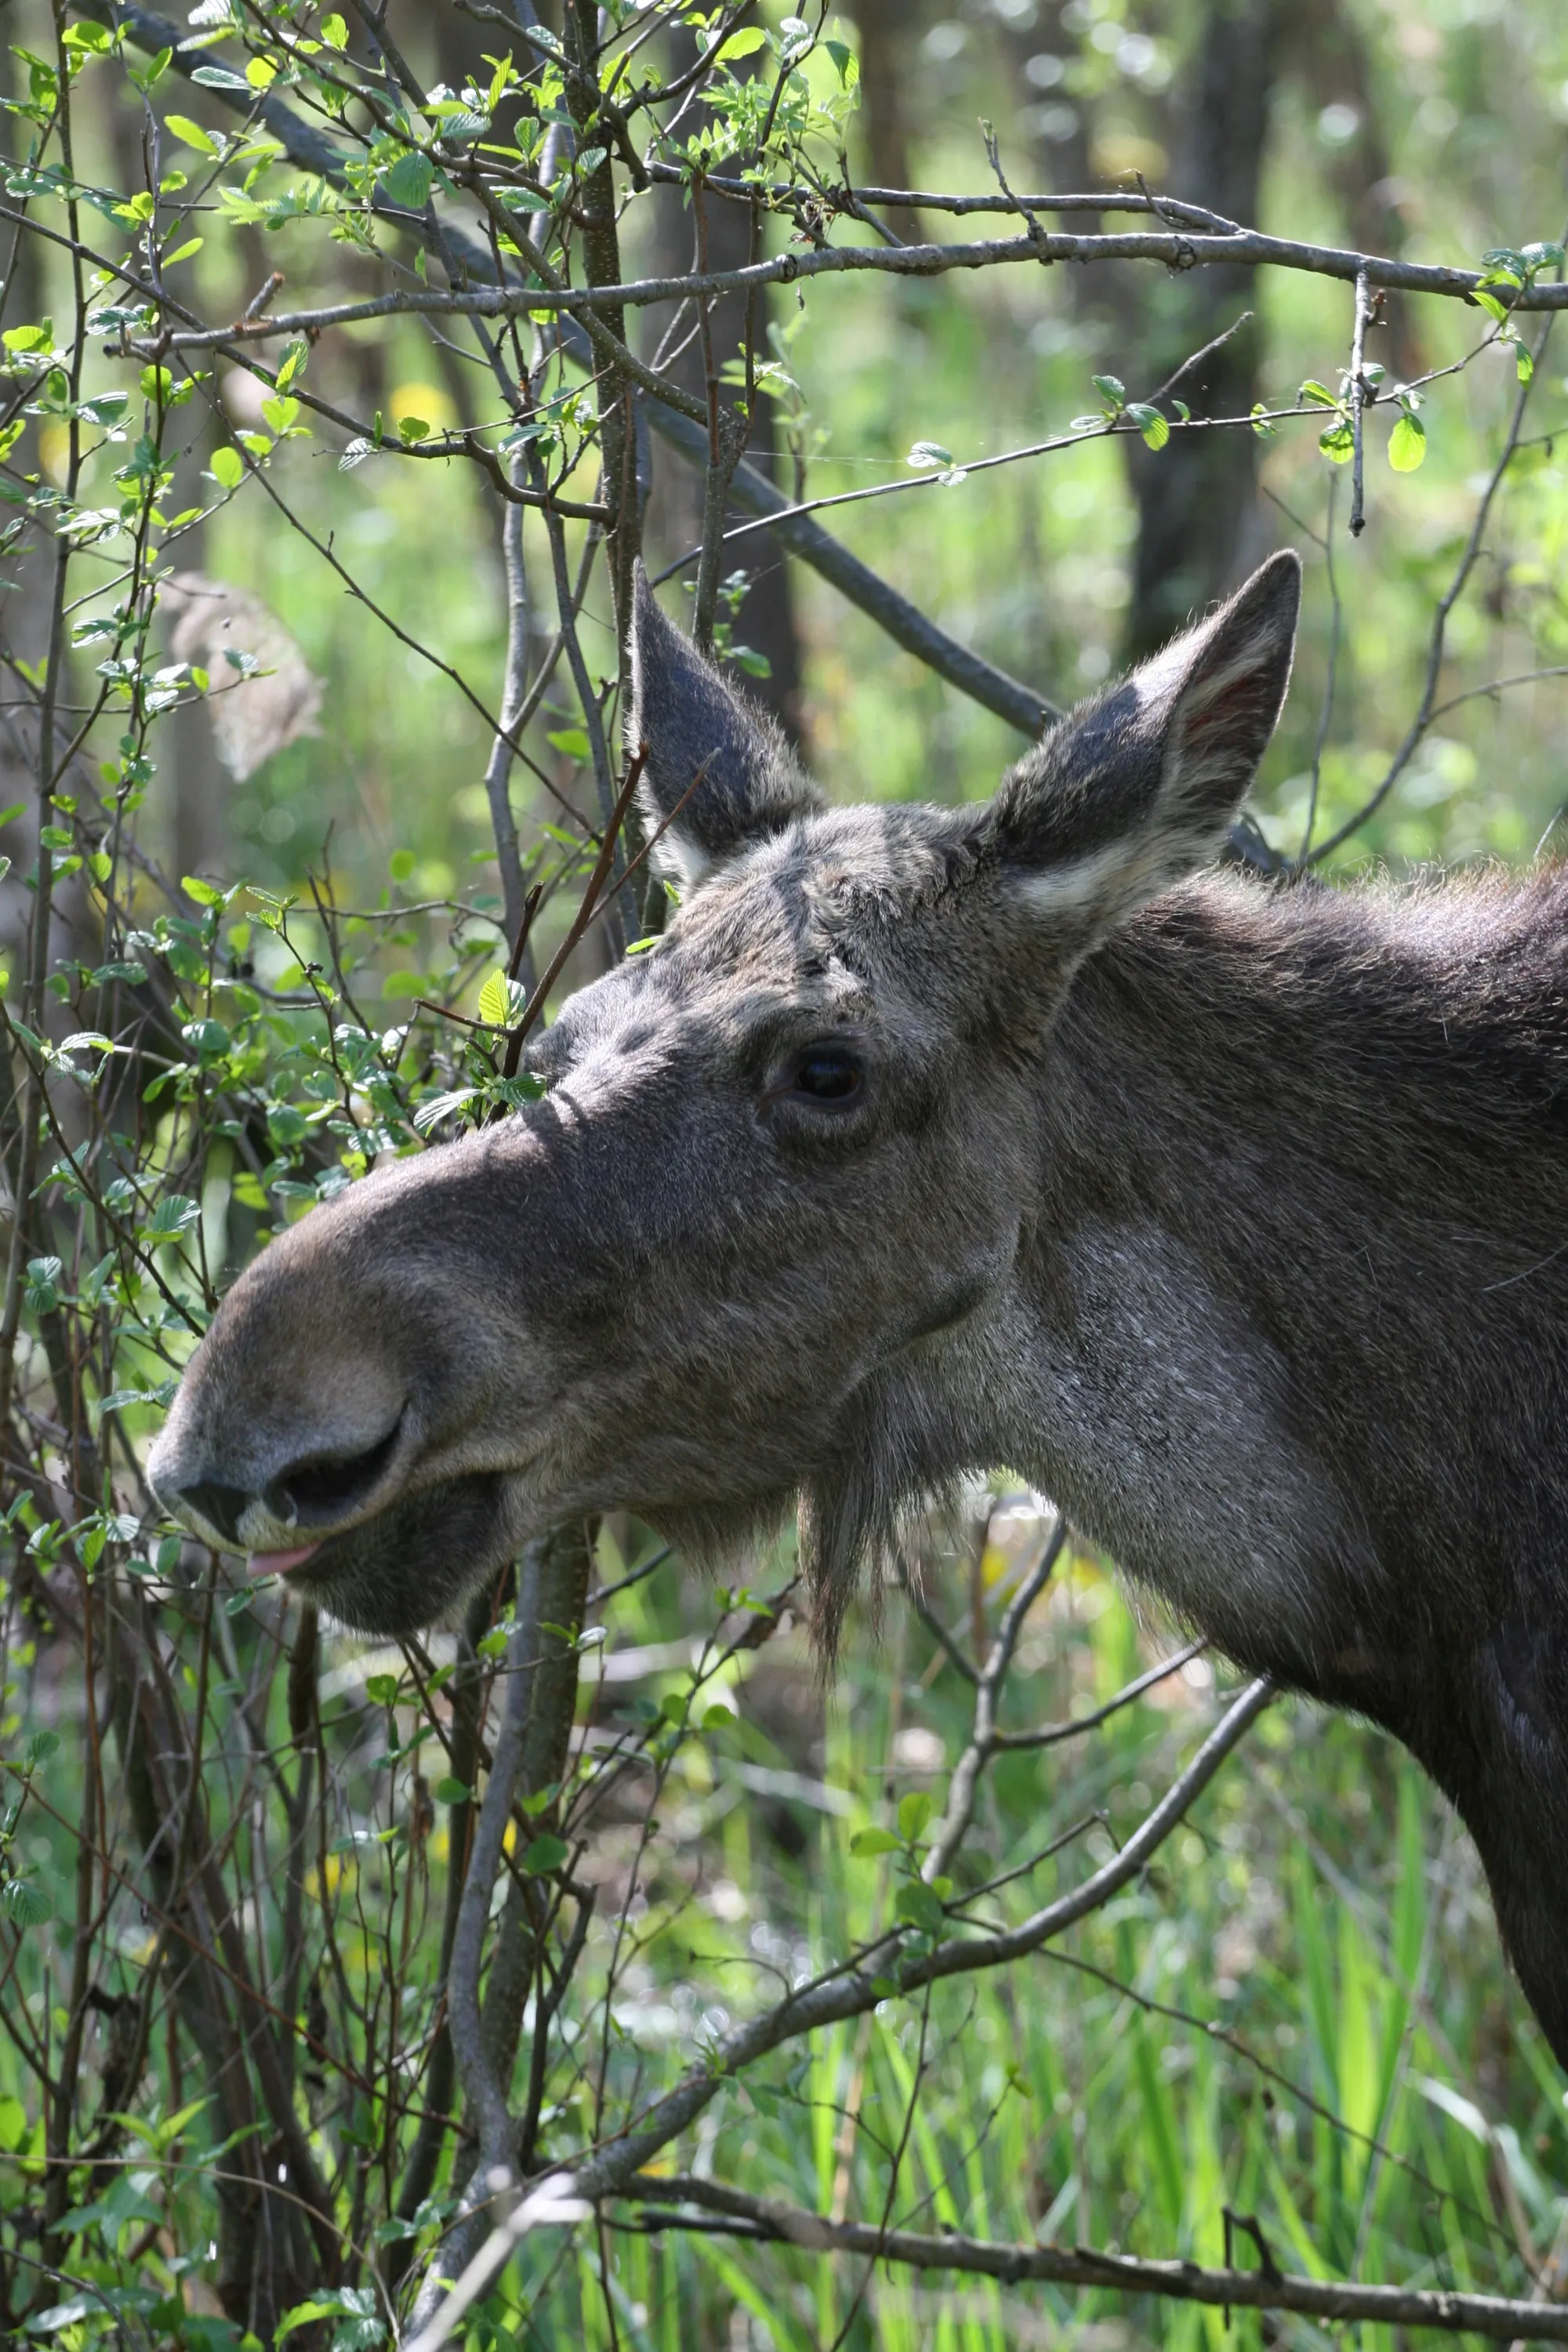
(928, 1140)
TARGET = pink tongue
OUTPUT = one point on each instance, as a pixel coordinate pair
(278, 1563)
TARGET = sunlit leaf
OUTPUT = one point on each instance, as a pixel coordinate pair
(743, 44)
(1407, 445)
(1154, 427)
(192, 135)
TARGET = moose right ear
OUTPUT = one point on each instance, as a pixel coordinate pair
(718, 768)
(1134, 790)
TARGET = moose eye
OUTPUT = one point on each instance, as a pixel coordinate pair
(825, 1074)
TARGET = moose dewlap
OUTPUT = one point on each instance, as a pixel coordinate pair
(929, 1138)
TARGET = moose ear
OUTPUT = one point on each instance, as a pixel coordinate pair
(1136, 789)
(720, 770)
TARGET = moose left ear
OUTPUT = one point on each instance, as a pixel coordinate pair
(1136, 789)
(718, 768)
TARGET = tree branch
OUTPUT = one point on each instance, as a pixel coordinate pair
(1495, 2317)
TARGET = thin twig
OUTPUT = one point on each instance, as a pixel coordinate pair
(1450, 597)
(1358, 401)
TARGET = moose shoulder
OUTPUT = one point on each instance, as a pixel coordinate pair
(930, 1138)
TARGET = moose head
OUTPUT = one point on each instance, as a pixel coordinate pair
(933, 1138)
(773, 1231)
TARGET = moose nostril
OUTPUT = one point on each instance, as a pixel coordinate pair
(219, 1506)
(327, 1487)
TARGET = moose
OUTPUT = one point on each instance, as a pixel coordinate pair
(1234, 1217)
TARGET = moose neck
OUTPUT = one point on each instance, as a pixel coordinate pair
(1290, 1175)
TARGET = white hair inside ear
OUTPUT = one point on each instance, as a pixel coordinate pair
(680, 858)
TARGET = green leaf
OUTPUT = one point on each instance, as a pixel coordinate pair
(334, 32)
(191, 134)
(929, 453)
(875, 1841)
(410, 429)
(202, 892)
(41, 1295)
(1156, 432)
(382, 1690)
(291, 365)
(25, 1905)
(66, 2315)
(1525, 364)
(1320, 392)
(1338, 442)
(430, 1114)
(1490, 304)
(1407, 445)
(207, 1039)
(353, 2306)
(918, 1904)
(176, 1213)
(570, 741)
(408, 183)
(494, 998)
(287, 1125)
(743, 44)
(546, 1853)
(1111, 386)
(450, 1791)
(914, 1812)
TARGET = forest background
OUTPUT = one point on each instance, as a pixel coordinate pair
(1297, 2015)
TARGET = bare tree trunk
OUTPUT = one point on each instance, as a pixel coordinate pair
(1198, 498)
(888, 31)
(674, 522)
(1326, 52)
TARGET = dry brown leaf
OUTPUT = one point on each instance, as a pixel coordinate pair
(254, 716)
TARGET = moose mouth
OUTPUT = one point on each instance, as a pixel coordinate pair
(405, 1567)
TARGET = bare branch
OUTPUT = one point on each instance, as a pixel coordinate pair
(1497, 2318)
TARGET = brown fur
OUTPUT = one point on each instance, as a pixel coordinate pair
(1237, 1219)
